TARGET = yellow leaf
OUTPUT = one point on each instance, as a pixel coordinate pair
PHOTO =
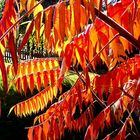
(38, 9)
(112, 64)
(2, 48)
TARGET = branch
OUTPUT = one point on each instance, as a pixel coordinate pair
(130, 96)
(122, 31)
(102, 104)
(106, 45)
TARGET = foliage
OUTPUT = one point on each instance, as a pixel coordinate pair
(84, 38)
(1, 7)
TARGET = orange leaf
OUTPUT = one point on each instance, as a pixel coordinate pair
(45, 129)
(75, 17)
(48, 19)
(30, 133)
(91, 8)
(83, 16)
(39, 133)
(59, 21)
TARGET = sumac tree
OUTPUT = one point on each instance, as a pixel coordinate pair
(81, 34)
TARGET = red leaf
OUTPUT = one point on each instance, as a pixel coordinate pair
(31, 82)
(8, 13)
(24, 84)
(12, 48)
(3, 72)
(45, 78)
(93, 129)
(18, 85)
(36, 133)
(37, 27)
(26, 37)
(38, 80)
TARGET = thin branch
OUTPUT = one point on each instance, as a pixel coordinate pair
(137, 132)
(103, 49)
(113, 132)
(102, 104)
(122, 31)
(130, 96)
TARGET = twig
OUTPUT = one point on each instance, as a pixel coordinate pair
(111, 133)
(102, 104)
(130, 96)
